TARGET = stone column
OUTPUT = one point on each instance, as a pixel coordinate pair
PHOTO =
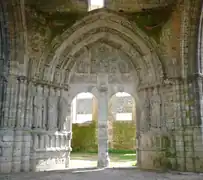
(103, 157)
(33, 154)
(28, 108)
(18, 143)
(94, 109)
(138, 143)
(14, 101)
(9, 105)
(52, 111)
(21, 101)
(68, 129)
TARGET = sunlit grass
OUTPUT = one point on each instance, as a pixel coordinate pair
(116, 159)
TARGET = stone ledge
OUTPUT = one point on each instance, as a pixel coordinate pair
(54, 132)
(53, 149)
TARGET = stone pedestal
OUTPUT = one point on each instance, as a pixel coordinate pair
(103, 157)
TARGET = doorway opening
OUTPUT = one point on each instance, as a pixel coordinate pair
(122, 130)
(84, 129)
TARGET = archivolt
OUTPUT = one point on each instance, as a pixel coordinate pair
(105, 25)
(189, 41)
(200, 44)
(4, 40)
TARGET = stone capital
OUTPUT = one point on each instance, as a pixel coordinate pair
(22, 79)
(3, 79)
(102, 82)
(102, 89)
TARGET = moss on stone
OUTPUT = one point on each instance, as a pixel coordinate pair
(161, 161)
(61, 21)
(151, 21)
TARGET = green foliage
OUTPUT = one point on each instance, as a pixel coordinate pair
(121, 151)
(84, 137)
(124, 135)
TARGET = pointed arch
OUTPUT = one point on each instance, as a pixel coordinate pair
(4, 39)
(105, 26)
(200, 43)
(189, 43)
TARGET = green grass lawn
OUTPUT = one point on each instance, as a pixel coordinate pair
(115, 158)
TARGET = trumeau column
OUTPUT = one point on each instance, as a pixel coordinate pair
(103, 157)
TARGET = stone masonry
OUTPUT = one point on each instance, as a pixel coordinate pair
(52, 50)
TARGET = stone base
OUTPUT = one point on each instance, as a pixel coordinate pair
(50, 164)
(103, 162)
(49, 160)
(5, 167)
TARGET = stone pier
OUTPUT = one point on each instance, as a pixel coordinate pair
(103, 157)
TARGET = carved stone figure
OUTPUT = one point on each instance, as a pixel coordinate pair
(144, 117)
(37, 102)
(155, 102)
(52, 112)
(57, 76)
(44, 112)
(62, 113)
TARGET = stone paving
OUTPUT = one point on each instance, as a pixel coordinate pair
(107, 174)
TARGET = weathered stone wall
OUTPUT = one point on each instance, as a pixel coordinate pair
(42, 97)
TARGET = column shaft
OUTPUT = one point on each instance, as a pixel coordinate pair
(103, 157)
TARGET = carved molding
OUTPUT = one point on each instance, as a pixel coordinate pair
(110, 18)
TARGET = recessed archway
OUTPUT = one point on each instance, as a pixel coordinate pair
(106, 27)
(84, 130)
(102, 54)
(122, 130)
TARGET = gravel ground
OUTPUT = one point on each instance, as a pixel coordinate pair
(107, 174)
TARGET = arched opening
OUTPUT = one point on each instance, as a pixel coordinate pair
(108, 53)
(84, 131)
(122, 130)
